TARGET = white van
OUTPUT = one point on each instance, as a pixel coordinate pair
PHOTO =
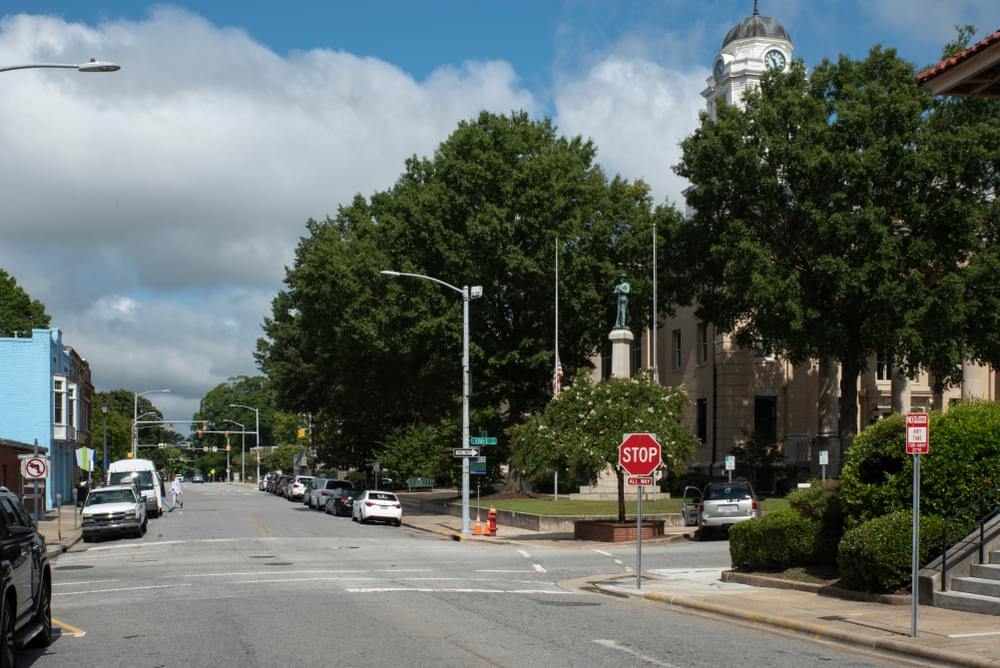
(143, 471)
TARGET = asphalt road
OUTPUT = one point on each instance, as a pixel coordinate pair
(240, 577)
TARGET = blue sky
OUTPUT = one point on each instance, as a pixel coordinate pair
(153, 210)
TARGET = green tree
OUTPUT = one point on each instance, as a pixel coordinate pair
(366, 354)
(19, 313)
(583, 427)
(119, 419)
(422, 451)
(833, 220)
(255, 391)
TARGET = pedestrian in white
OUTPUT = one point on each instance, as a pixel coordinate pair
(175, 493)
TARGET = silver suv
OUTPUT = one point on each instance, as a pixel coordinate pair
(720, 505)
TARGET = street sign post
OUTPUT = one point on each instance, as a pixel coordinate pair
(730, 466)
(917, 443)
(639, 455)
(34, 468)
(483, 440)
(824, 459)
(477, 466)
(466, 452)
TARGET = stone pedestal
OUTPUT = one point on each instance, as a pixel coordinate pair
(621, 353)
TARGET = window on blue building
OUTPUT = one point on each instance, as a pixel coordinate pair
(59, 400)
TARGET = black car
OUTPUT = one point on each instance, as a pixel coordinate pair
(342, 502)
(25, 581)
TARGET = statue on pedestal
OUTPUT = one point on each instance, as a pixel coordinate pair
(622, 290)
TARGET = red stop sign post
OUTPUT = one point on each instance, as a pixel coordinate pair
(917, 443)
(639, 455)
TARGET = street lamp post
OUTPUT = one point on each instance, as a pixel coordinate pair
(135, 418)
(256, 433)
(468, 294)
(107, 459)
(243, 449)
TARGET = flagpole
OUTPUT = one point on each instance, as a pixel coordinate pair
(556, 380)
(656, 365)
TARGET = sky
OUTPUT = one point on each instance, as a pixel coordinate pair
(153, 210)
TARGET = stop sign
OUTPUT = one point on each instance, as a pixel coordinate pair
(639, 454)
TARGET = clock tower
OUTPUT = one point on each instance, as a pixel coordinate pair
(752, 46)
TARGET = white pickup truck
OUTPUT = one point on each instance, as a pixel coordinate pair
(113, 509)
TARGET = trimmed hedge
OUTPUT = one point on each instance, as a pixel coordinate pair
(775, 541)
(875, 556)
(821, 503)
(964, 457)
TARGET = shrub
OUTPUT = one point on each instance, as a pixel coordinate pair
(777, 540)
(821, 502)
(964, 457)
(875, 556)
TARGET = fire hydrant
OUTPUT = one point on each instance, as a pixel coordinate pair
(491, 520)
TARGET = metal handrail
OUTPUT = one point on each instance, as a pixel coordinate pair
(987, 513)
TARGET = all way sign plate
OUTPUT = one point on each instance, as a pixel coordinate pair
(466, 452)
(641, 480)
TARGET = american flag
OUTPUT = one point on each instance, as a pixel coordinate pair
(557, 377)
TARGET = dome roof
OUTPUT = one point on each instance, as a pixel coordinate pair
(756, 26)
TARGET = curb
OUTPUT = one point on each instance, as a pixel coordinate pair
(817, 630)
(458, 536)
(826, 632)
(56, 549)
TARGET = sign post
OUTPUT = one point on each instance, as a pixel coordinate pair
(730, 466)
(824, 459)
(639, 455)
(917, 443)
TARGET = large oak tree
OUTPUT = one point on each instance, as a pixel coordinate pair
(366, 353)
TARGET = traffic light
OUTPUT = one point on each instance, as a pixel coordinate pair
(204, 425)
(227, 433)
(130, 455)
(302, 432)
(199, 433)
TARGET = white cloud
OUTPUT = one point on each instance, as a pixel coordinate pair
(154, 209)
(637, 112)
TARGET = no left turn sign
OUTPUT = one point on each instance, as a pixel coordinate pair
(34, 468)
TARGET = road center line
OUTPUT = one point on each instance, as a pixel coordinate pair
(82, 582)
(260, 527)
(611, 644)
(539, 568)
(606, 554)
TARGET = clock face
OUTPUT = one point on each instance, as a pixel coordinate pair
(717, 71)
(775, 59)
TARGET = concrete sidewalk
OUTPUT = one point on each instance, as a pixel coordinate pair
(450, 526)
(61, 529)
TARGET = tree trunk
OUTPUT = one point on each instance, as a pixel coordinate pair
(515, 482)
(847, 427)
(621, 493)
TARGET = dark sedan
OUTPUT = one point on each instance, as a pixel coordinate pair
(341, 503)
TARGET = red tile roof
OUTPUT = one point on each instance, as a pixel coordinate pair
(949, 63)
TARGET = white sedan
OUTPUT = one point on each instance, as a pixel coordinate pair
(375, 505)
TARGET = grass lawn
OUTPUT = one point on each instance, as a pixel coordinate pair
(566, 506)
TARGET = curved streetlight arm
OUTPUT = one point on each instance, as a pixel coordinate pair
(389, 272)
(91, 66)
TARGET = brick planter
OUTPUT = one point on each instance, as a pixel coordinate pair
(610, 531)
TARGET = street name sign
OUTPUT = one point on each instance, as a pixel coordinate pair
(466, 452)
(639, 454)
(483, 440)
(641, 480)
(917, 428)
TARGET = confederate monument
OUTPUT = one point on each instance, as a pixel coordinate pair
(620, 337)
(622, 290)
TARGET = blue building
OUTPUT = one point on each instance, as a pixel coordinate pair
(45, 394)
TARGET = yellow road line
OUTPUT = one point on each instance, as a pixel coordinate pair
(260, 527)
(69, 628)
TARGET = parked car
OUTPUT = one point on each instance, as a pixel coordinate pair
(341, 503)
(264, 480)
(281, 484)
(323, 489)
(297, 487)
(113, 509)
(198, 477)
(377, 505)
(720, 505)
(25, 581)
